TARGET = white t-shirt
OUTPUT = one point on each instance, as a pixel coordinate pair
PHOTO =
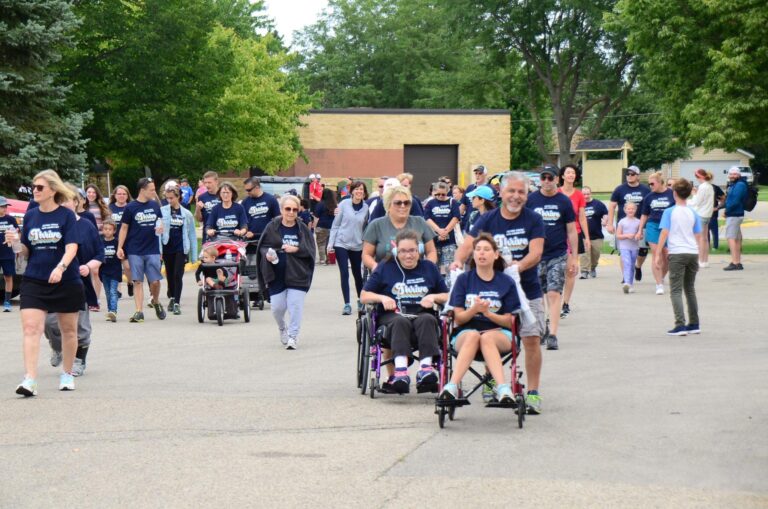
(683, 224)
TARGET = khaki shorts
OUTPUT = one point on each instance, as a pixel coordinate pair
(538, 326)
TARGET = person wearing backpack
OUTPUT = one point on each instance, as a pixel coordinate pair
(735, 199)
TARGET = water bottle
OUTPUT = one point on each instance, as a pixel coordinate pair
(228, 256)
(507, 255)
(273, 255)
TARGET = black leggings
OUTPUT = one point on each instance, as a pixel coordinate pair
(174, 272)
(406, 335)
(345, 257)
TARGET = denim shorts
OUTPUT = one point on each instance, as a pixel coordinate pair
(142, 265)
(652, 232)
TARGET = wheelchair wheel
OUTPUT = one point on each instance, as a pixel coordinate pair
(246, 303)
(364, 360)
(219, 306)
(520, 410)
(200, 306)
(451, 412)
(360, 356)
(441, 412)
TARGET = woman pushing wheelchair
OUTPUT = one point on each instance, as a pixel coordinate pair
(406, 289)
(483, 301)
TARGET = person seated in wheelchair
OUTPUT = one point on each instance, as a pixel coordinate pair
(213, 278)
(483, 301)
(406, 288)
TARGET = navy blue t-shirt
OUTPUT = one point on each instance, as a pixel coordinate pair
(117, 213)
(226, 221)
(408, 286)
(595, 212)
(207, 201)
(306, 216)
(88, 216)
(175, 234)
(500, 291)
(514, 235)
(654, 205)
(626, 193)
(290, 236)
(141, 219)
(441, 212)
(46, 235)
(112, 267)
(260, 211)
(7, 223)
(90, 247)
(557, 212)
(324, 216)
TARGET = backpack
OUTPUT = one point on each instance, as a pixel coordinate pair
(750, 198)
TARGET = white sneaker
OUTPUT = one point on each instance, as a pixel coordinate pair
(659, 289)
(291, 344)
(625, 287)
(284, 336)
(66, 382)
(703, 265)
(631, 290)
(78, 367)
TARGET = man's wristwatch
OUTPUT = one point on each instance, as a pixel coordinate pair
(62, 266)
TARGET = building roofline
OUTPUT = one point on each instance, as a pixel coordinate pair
(405, 111)
(748, 154)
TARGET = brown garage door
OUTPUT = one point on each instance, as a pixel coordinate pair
(428, 163)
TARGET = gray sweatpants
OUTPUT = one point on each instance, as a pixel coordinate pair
(682, 279)
(292, 301)
(53, 333)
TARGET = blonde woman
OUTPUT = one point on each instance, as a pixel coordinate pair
(652, 207)
(703, 203)
(51, 281)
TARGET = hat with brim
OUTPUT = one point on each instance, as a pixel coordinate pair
(3, 201)
(550, 170)
(483, 192)
(480, 169)
(633, 169)
(734, 170)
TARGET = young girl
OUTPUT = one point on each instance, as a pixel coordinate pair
(111, 272)
(626, 236)
(483, 299)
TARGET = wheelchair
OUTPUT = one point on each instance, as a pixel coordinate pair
(371, 341)
(447, 408)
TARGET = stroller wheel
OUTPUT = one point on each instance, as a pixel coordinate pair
(200, 306)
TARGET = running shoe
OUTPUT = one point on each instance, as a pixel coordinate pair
(533, 402)
(111, 316)
(584, 274)
(291, 344)
(159, 311)
(449, 392)
(680, 330)
(703, 265)
(284, 336)
(176, 309)
(488, 391)
(138, 317)
(426, 380)
(593, 273)
(733, 266)
(7, 306)
(565, 311)
(78, 367)
(27, 387)
(347, 310)
(504, 393)
(631, 289)
(552, 342)
(171, 301)
(693, 328)
(130, 289)
(55, 358)
(401, 384)
(625, 287)
(659, 289)
(638, 274)
(543, 340)
(66, 382)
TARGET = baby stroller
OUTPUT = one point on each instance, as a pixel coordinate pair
(223, 301)
(249, 277)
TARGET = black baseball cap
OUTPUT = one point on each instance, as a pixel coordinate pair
(551, 169)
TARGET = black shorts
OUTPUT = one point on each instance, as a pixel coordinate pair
(66, 297)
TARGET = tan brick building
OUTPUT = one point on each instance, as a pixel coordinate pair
(367, 143)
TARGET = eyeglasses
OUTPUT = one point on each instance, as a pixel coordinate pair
(290, 209)
(248, 189)
(39, 188)
(402, 203)
(547, 177)
(631, 174)
(408, 251)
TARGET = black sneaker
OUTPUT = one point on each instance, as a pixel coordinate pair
(739, 266)
(680, 330)
(638, 274)
(401, 384)
(130, 289)
(159, 311)
(552, 342)
(731, 266)
(565, 311)
(138, 317)
(543, 340)
(693, 328)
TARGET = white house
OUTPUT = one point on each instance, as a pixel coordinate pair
(716, 160)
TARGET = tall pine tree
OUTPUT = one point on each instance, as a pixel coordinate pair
(36, 129)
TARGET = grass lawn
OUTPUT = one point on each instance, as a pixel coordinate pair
(750, 246)
(762, 194)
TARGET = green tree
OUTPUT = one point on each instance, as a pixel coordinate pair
(37, 130)
(708, 60)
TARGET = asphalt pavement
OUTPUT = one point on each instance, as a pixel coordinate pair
(179, 414)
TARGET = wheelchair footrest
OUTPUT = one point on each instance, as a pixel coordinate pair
(499, 404)
(452, 402)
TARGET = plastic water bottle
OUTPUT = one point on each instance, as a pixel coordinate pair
(228, 256)
(507, 255)
(271, 253)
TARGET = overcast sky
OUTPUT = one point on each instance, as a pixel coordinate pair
(290, 15)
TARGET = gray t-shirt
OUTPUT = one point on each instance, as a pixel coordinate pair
(381, 233)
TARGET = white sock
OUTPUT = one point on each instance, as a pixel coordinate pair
(401, 362)
(426, 362)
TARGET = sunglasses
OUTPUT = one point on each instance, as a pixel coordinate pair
(381, 187)
(39, 188)
(651, 184)
(440, 195)
(248, 189)
(402, 203)
(547, 177)
(290, 209)
(631, 174)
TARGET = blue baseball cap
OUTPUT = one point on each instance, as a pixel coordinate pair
(483, 192)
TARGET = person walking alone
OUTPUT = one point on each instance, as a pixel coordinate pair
(179, 244)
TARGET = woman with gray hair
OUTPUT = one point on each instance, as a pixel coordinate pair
(286, 260)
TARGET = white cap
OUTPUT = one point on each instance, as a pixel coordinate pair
(171, 183)
(390, 183)
(734, 169)
(312, 176)
(317, 176)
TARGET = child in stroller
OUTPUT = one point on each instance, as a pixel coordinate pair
(219, 281)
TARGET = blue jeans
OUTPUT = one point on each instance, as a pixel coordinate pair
(110, 288)
(714, 230)
(343, 259)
